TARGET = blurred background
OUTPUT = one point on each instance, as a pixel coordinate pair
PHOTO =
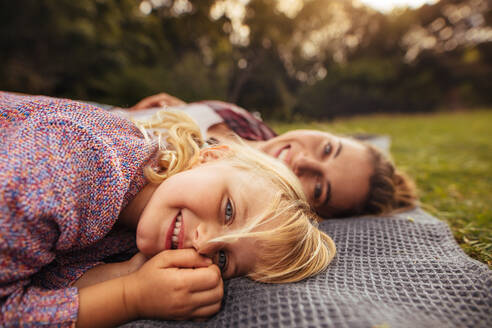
(315, 58)
(422, 69)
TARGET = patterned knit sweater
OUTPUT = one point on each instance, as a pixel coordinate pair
(66, 171)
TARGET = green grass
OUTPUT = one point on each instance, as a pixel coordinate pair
(450, 157)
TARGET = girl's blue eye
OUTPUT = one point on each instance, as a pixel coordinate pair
(229, 212)
(222, 261)
(327, 149)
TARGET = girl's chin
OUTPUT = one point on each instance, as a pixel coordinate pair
(147, 247)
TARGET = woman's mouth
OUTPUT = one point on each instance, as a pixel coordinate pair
(175, 233)
(283, 154)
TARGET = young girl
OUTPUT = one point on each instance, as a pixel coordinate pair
(73, 192)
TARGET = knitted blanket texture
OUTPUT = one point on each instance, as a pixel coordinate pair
(405, 270)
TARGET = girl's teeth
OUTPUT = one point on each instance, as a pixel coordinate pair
(177, 228)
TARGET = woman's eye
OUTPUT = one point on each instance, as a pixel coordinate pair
(327, 149)
(317, 190)
(222, 261)
(229, 212)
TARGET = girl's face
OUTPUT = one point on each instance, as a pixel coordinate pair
(192, 207)
(334, 171)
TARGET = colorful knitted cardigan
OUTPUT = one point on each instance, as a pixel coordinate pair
(66, 171)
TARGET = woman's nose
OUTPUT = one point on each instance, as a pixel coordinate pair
(306, 164)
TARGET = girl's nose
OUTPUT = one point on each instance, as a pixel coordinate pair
(203, 234)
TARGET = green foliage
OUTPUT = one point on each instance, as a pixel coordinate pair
(105, 51)
(450, 157)
(109, 51)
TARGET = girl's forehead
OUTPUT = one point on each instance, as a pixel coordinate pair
(254, 193)
(257, 185)
(250, 190)
(244, 173)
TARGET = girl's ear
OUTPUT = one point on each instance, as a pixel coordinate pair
(213, 153)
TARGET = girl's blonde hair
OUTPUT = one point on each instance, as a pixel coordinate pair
(292, 246)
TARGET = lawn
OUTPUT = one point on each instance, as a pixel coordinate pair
(450, 157)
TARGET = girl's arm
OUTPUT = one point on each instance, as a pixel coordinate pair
(104, 272)
(104, 305)
(178, 284)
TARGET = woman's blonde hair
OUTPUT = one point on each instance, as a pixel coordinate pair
(292, 246)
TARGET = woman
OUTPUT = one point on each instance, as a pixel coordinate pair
(340, 176)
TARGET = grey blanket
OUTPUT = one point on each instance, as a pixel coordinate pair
(400, 271)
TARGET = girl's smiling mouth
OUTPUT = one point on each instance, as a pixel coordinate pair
(174, 236)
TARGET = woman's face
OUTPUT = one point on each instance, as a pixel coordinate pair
(334, 171)
(192, 207)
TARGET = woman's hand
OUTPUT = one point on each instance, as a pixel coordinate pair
(158, 100)
(175, 284)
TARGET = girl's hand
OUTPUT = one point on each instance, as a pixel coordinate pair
(158, 100)
(174, 284)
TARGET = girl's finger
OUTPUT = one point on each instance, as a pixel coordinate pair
(181, 258)
(206, 311)
(203, 279)
(201, 299)
(207, 297)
